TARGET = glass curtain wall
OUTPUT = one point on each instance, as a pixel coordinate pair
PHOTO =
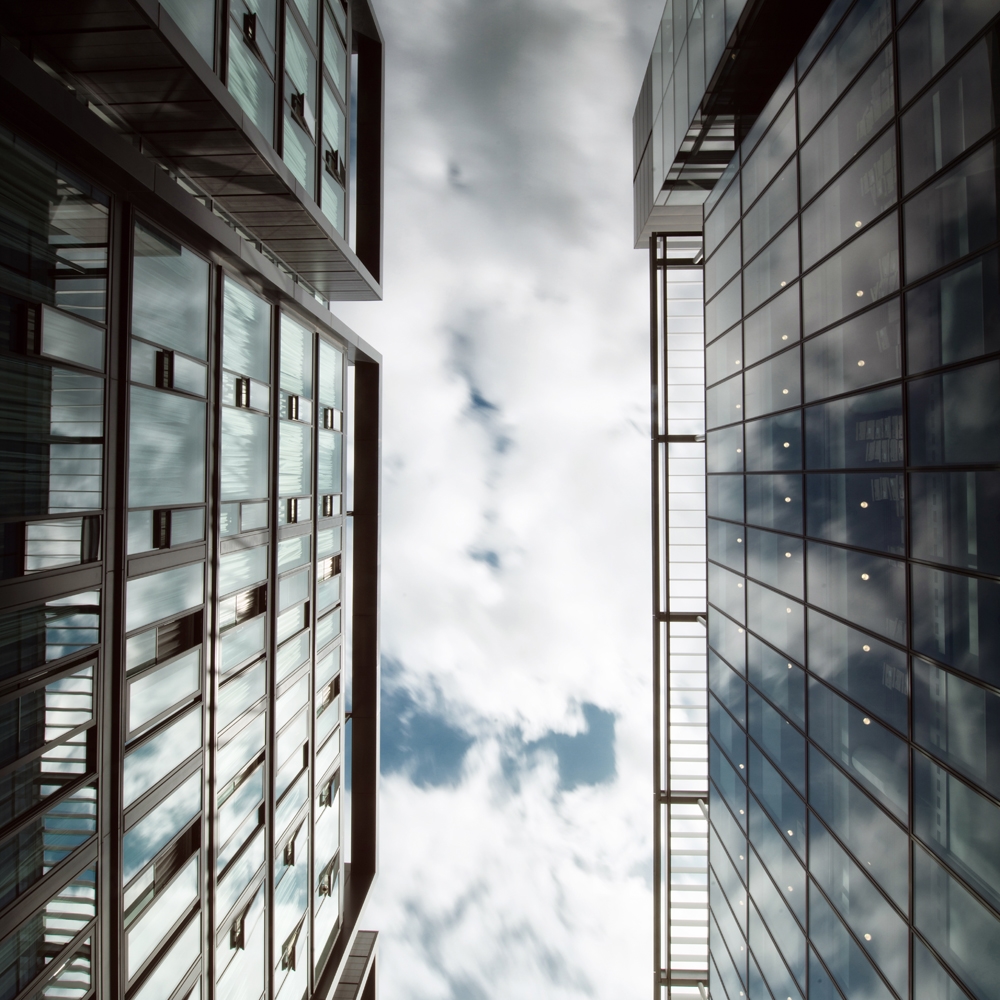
(851, 286)
(54, 230)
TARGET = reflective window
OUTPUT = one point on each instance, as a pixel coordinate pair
(955, 317)
(725, 497)
(857, 432)
(774, 443)
(955, 215)
(858, 509)
(724, 357)
(724, 310)
(952, 116)
(727, 734)
(957, 722)
(727, 591)
(955, 417)
(772, 269)
(780, 680)
(771, 906)
(157, 828)
(722, 265)
(779, 739)
(157, 757)
(722, 219)
(870, 671)
(776, 560)
(777, 618)
(728, 686)
(728, 639)
(728, 782)
(859, 115)
(772, 327)
(775, 501)
(771, 212)
(780, 861)
(769, 959)
(773, 385)
(725, 544)
(779, 799)
(952, 519)
(725, 450)
(770, 156)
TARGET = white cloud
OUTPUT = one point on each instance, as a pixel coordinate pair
(515, 559)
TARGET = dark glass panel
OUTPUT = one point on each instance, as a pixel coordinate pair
(957, 722)
(725, 450)
(848, 964)
(872, 672)
(61, 627)
(930, 980)
(879, 845)
(930, 39)
(772, 269)
(866, 589)
(771, 906)
(768, 957)
(952, 116)
(953, 519)
(776, 560)
(724, 356)
(773, 385)
(725, 497)
(722, 265)
(954, 216)
(774, 443)
(775, 502)
(729, 687)
(862, 111)
(856, 40)
(857, 509)
(779, 739)
(858, 196)
(727, 734)
(779, 799)
(724, 310)
(722, 219)
(728, 639)
(727, 780)
(870, 753)
(955, 317)
(955, 416)
(725, 918)
(780, 861)
(958, 824)
(859, 431)
(773, 326)
(770, 156)
(782, 681)
(863, 272)
(857, 354)
(724, 972)
(962, 930)
(724, 402)
(725, 544)
(776, 618)
(956, 619)
(771, 212)
(725, 832)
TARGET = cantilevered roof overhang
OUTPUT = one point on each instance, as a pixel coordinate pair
(139, 67)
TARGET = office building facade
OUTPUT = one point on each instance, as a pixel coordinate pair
(846, 246)
(189, 442)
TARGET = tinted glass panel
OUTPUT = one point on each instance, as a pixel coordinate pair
(725, 497)
(773, 385)
(775, 442)
(780, 680)
(858, 509)
(771, 212)
(776, 560)
(859, 432)
(775, 502)
(776, 618)
(779, 739)
(724, 357)
(772, 327)
(777, 797)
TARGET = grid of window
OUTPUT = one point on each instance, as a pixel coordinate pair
(851, 287)
(212, 744)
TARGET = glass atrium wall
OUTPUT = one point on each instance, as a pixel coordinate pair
(853, 452)
(171, 633)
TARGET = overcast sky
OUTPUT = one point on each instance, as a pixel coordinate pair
(515, 856)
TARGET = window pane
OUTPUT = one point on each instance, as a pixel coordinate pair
(238, 694)
(772, 269)
(328, 628)
(724, 310)
(174, 964)
(776, 560)
(879, 845)
(869, 752)
(329, 466)
(781, 681)
(955, 317)
(722, 265)
(728, 686)
(857, 354)
(726, 591)
(954, 216)
(152, 833)
(858, 509)
(243, 454)
(952, 517)
(865, 28)
(773, 385)
(728, 639)
(331, 376)
(157, 757)
(240, 569)
(295, 459)
(958, 722)
(962, 930)
(240, 643)
(776, 618)
(782, 864)
(958, 824)
(773, 327)
(775, 442)
(775, 502)
(145, 935)
(772, 908)
(334, 53)
(955, 417)
(157, 690)
(725, 497)
(769, 958)
(725, 544)
(863, 110)
(862, 273)
(722, 219)
(777, 797)
(62, 627)
(728, 782)
(166, 448)
(872, 672)
(770, 156)
(164, 594)
(296, 357)
(780, 740)
(169, 294)
(930, 980)
(70, 339)
(246, 333)
(859, 431)
(250, 83)
(771, 212)
(724, 357)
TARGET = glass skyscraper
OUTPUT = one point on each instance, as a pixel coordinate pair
(846, 245)
(189, 446)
